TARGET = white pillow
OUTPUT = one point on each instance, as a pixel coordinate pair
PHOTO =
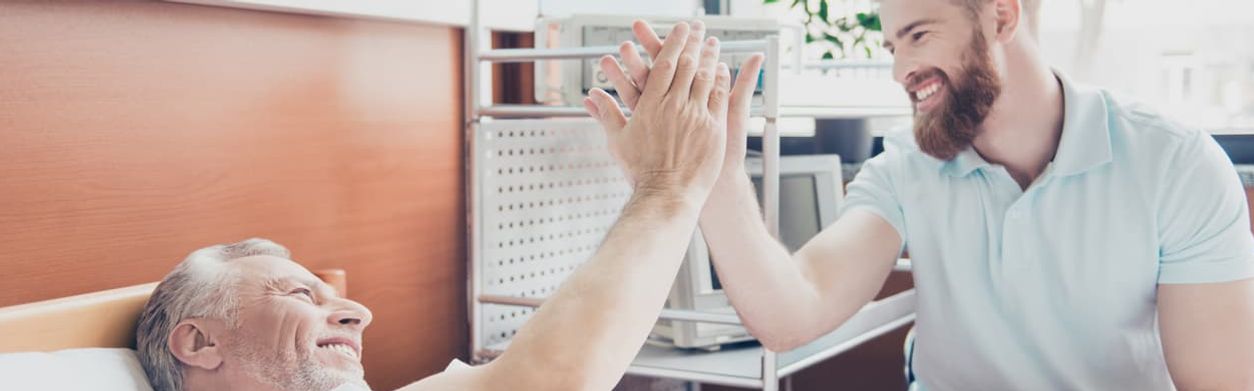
(96, 369)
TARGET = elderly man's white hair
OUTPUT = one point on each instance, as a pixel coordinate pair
(199, 287)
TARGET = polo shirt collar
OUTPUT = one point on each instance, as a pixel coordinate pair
(1085, 142)
(964, 163)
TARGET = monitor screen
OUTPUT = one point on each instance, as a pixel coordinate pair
(799, 218)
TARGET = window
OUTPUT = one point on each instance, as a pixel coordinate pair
(1193, 61)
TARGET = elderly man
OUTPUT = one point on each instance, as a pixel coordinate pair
(245, 317)
(1061, 238)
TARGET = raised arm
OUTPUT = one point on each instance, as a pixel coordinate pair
(784, 299)
(788, 300)
(586, 334)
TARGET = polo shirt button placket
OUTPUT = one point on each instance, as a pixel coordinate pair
(1015, 214)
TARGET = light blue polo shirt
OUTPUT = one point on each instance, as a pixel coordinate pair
(1053, 288)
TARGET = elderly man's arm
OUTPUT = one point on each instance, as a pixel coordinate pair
(586, 334)
(1208, 334)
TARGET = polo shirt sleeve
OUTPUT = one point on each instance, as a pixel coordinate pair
(873, 190)
(1204, 219)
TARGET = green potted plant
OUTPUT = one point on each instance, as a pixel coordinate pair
(835, 32)
(841, 35)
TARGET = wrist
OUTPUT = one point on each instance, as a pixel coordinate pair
(728, 193)
(732, 178)
(668, 196)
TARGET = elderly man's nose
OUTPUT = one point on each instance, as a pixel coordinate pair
(351, 314)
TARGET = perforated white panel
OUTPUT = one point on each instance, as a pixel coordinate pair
(548, 190)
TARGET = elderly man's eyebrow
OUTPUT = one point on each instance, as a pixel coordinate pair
(316, 285)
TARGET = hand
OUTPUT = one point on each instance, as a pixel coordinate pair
(675, 139)
(630, 84)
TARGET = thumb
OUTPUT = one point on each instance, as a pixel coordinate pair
(742, 95)
(746, 82)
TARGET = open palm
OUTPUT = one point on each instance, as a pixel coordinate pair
(631, 83)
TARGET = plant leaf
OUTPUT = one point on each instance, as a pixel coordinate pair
(823, 10)
(869, 21)
(842, 24)
(828, 55)
(835, 40)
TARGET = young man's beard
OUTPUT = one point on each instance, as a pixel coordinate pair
(951, 126)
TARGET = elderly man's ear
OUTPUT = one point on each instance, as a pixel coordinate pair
(196, 343)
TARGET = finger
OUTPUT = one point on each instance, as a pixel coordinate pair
(626, 89)
(742, 91)
(647, 37)
(663, 71)
(686, 66)
(703, 82)
(611, 116)
(718, 98)
(591, 108)
(637, 68)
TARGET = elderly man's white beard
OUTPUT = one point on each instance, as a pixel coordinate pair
(290, 371)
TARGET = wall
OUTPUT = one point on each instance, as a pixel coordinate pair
(563, 8)
(513, 15)
(133, 132)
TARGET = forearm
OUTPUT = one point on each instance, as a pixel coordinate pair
(769, 290)
(586, 334)
(787, 300)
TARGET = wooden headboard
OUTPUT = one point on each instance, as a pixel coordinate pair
(104, 319)
(133, 132)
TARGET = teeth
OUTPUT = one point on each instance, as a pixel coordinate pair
(345, 349)
(927, 92)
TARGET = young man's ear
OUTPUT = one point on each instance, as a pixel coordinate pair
(195, 342)
(1009, 13)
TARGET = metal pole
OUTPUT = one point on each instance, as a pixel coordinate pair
(470, 75)
(533, 54)
(666, 314)
(770, 179)
(537, 111)
(770, 137)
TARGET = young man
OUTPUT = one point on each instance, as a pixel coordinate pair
(244, 316)
(1060, 238)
